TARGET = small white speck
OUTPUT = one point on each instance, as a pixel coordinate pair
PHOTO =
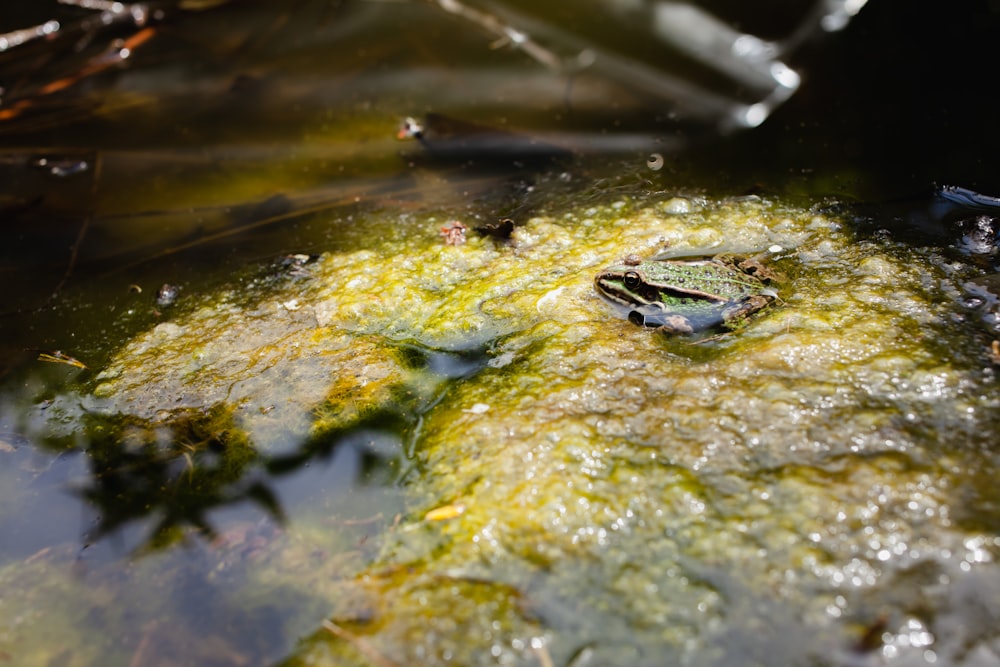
(477, 409)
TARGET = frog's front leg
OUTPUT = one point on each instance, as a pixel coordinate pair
(736, 314)
(665, 322)
(676, 324)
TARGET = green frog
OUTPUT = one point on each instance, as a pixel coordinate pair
(691, 294)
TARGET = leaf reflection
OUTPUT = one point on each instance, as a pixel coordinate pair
(178, 471)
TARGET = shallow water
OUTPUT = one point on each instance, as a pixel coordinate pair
(391, 450)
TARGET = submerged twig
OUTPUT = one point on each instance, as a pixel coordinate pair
(359, 643)
(139, 656)
(80, 235)
(116, 54)
(111, 12)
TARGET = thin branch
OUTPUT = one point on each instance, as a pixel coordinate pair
(360, 644)
(505, 34)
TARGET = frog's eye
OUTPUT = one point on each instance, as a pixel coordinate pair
(632, 279)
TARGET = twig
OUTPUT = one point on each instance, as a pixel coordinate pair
(18, 37)
(58, 357)
(505, 34)
(357, 642)
(112, 11)
(81, 234)
(543, 654)
(139, 655)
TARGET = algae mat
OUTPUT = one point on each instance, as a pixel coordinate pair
(815, 488)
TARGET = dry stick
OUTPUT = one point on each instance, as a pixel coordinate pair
(360, 644)
(112, 12)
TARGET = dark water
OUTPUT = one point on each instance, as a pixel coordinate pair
(227, 127)
(233, 136)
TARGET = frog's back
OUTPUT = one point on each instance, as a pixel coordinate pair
(710, 278)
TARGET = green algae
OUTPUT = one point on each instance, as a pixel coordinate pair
(673, 493)
(336, 338)
(223, 354)
(614, 495)
(644, 501)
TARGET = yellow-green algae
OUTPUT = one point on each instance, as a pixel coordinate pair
(648, 499)
(621, 498)
(272, 363)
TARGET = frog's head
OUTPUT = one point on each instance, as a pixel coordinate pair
(627, 284)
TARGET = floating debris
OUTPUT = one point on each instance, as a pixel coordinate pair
(167, 295)
(445, 512)
(501, 229)
(60, 168)
(58, 357)
(410, 129)
(454, 233)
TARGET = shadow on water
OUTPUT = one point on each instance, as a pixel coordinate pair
(202, 145)
(171, 475)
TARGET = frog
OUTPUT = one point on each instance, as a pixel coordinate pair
(688, 295)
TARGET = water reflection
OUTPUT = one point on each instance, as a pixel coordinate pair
(162, 481)
(52, 564)
(175, 473)
(150, 485)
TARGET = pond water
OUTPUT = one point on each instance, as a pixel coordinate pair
(280, 386)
